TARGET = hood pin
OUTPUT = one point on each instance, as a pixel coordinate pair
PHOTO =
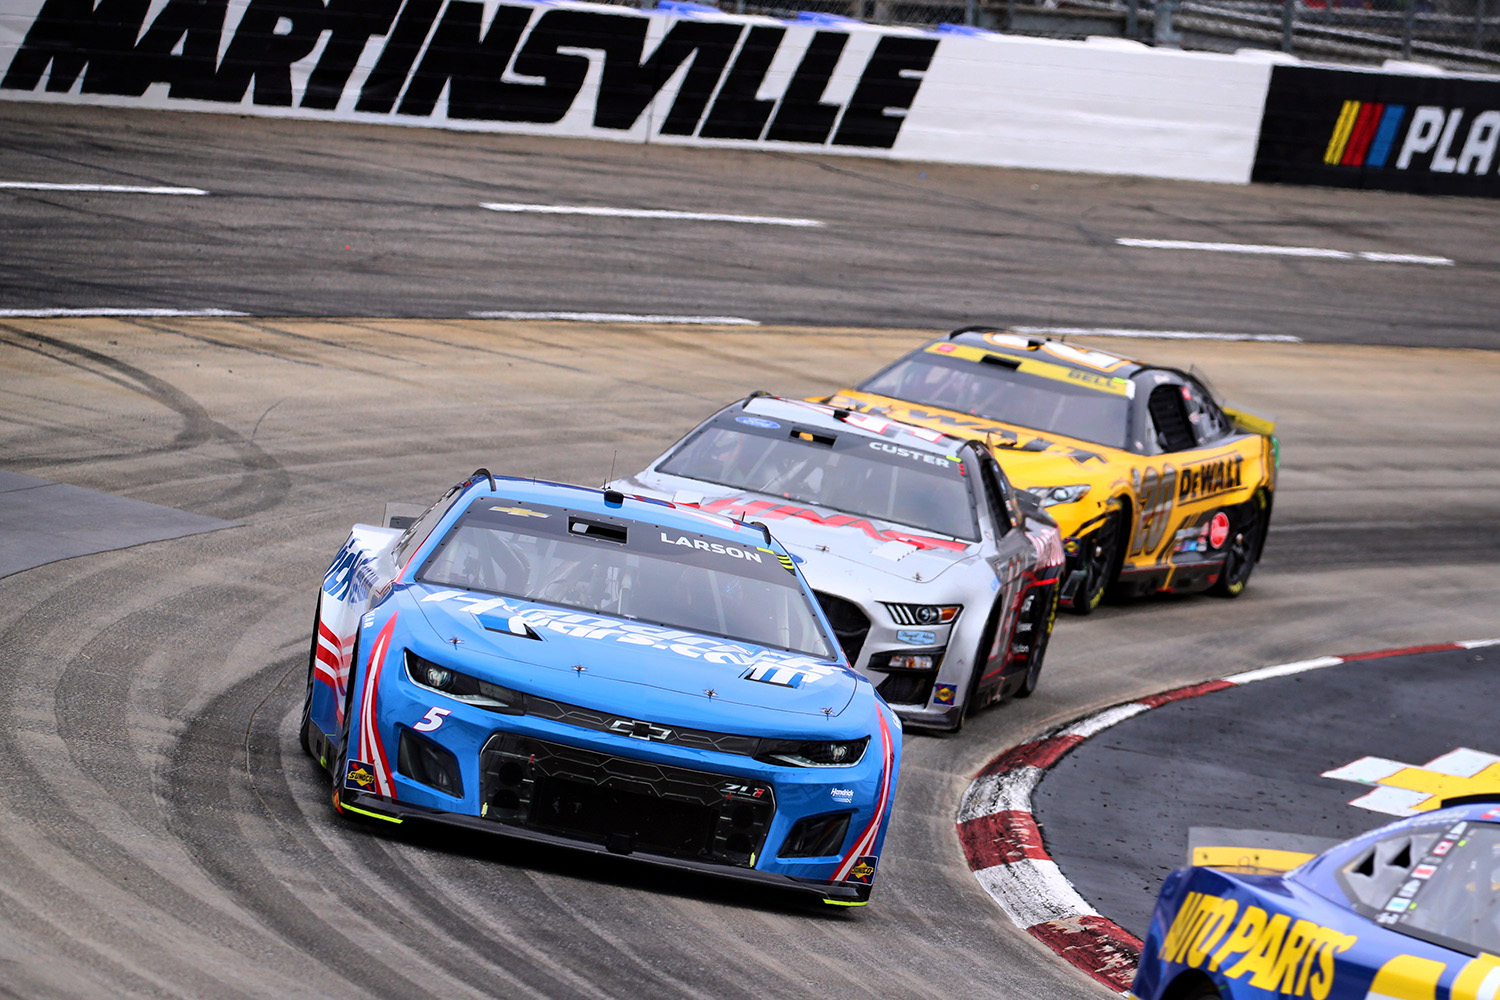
(579, 668)
(710, 692)
(456, 641)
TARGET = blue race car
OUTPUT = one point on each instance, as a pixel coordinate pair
(1410, 911)
(611, 673)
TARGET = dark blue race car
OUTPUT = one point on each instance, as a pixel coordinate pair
(1410, 911)
(606, 672)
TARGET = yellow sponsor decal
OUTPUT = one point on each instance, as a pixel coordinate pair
(1268, 951)
(520, 512)
(1407, 977)
(1479, 978)
(1248, 861)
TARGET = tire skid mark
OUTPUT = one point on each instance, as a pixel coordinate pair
(262, 482)
(279, 329)
(470, 326)
(263, 747)
(185, 332)
(62, 911)
(204, 817)
(375, 889)
(88, 833)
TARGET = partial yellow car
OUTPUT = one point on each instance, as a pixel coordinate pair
(1156, 486)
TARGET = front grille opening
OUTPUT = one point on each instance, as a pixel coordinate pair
(850, 624)
(624, 804)
(907, 689)
(816, 836)
(424, 761)
(625, 821)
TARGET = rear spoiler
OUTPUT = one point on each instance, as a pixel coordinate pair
(1250, 423)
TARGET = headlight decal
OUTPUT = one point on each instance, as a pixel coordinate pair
(813, 753)
(927, 615)
(1049, 496)
(461, 687)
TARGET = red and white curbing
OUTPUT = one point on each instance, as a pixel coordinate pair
(1004, 845)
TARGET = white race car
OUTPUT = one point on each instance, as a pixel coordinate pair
(939, 578)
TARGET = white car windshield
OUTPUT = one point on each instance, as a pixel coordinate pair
(849, 472)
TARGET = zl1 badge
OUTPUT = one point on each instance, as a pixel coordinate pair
(359, 775)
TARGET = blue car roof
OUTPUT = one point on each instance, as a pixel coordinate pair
(647, 510)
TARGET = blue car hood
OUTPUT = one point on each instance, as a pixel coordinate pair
(632, 667)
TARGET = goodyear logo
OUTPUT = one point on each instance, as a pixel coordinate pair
(1269, 951)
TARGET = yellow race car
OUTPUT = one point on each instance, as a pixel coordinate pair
(1156, 486)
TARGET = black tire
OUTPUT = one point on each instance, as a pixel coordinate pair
(1244, 548)
(981, 660)
(1103, 550)
(1043, 632)
(312, 660)
(1200, 988)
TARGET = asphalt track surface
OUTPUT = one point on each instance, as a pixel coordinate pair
(318, 219)
(163, 835)
(1117, 810)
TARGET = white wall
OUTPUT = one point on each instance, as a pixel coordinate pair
(998, 100)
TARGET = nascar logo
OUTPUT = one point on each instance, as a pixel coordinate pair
(1366, 133)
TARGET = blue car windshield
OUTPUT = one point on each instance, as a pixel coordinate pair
(848, 472)
(665, 576)
(1453, 894)
(999, 392)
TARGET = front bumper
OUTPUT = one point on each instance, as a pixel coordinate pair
(930, 699)
(376, 807)
(713, 808)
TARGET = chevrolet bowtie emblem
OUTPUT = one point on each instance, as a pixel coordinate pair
(640, 730)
